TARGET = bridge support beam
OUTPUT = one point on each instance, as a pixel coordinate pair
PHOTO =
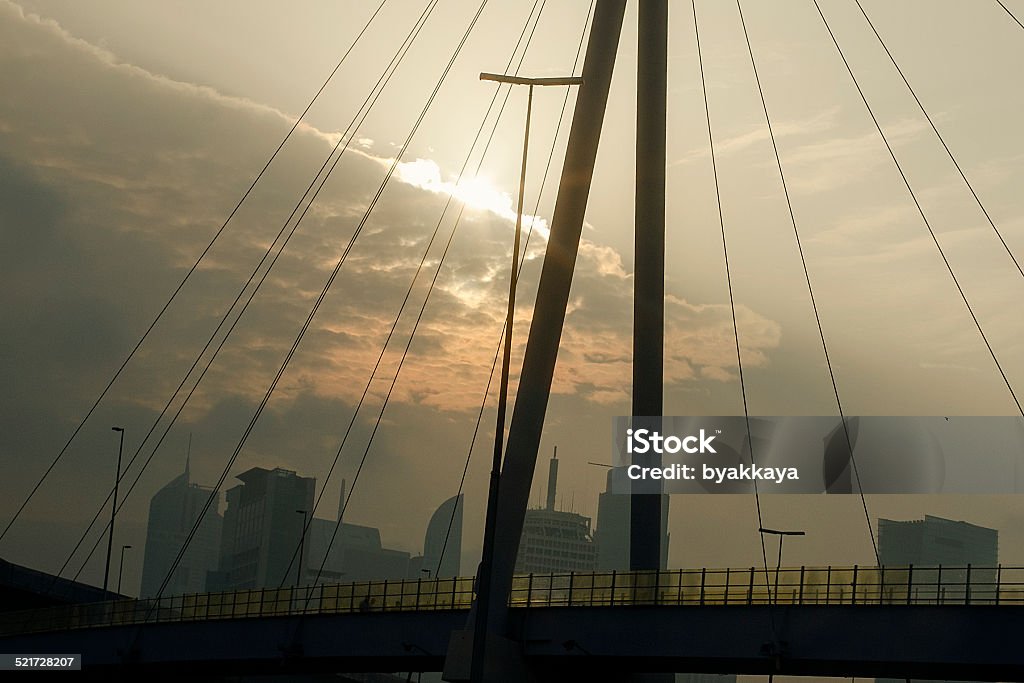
(645, 532)
(550, 309)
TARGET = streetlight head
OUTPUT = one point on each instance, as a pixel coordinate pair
(519, 80)
(777, 532)
(117, 429)
(126, 547)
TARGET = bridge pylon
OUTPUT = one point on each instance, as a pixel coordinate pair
(503, 652)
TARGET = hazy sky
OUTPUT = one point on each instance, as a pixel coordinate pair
(130, 128)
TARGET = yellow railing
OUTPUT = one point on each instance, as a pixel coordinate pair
(680, 587)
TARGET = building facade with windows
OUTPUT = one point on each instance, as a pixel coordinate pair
(263, 525)
(173, 512)
(555, 541)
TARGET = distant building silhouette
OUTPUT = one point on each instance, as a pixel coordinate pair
(356, 553)
(934, 541)
(553, 540)
(612, 532)
(173, 512)
(439, 539)
(262, 529)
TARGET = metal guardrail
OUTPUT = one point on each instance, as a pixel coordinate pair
(681, 587)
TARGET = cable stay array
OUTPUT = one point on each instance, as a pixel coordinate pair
(273, 251)
(191, 270)
(440, 240)
(409, 291)
(316, 307)
(920, 210)
(728, 280)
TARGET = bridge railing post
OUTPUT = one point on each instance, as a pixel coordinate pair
(728, 580)
(828, 584)
(703, 580)
(910, 583)
(611, 602)
(800, 600)
(939, 593)
(572, 576)
(853, 593)
(999, 581)
(750, 588)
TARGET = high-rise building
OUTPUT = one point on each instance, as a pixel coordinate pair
(612, 532)
(554, 540)
(353, 552)
(356, 554)
(173, 512)
(442, 543)
(263, 524)
(934, 541)
(444, 535)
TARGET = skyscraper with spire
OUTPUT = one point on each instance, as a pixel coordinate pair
(555, 540)
(173, 512)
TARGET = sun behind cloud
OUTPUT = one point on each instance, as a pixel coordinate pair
(477, 192)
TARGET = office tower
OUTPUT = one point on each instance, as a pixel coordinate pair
(173, 512)
(612, 532)
(936, 541)
(553, 540)
(355, 554)
(439, 538)
(263, 525)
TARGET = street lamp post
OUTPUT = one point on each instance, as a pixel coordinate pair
(120, 567)
(302, 547)
(782, 536)
(113, 509)
(490, 524)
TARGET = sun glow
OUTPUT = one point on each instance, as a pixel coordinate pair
(477, 193)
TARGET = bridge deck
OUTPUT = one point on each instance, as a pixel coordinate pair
(823, 586)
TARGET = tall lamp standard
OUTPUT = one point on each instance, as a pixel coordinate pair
(113, 509)
(782, 536)
(302, 547)
(120, 568)
(484, 574)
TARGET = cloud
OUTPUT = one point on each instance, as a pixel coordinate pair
(475, 192)
(819, 122)
(115, 179)
(155, 163)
